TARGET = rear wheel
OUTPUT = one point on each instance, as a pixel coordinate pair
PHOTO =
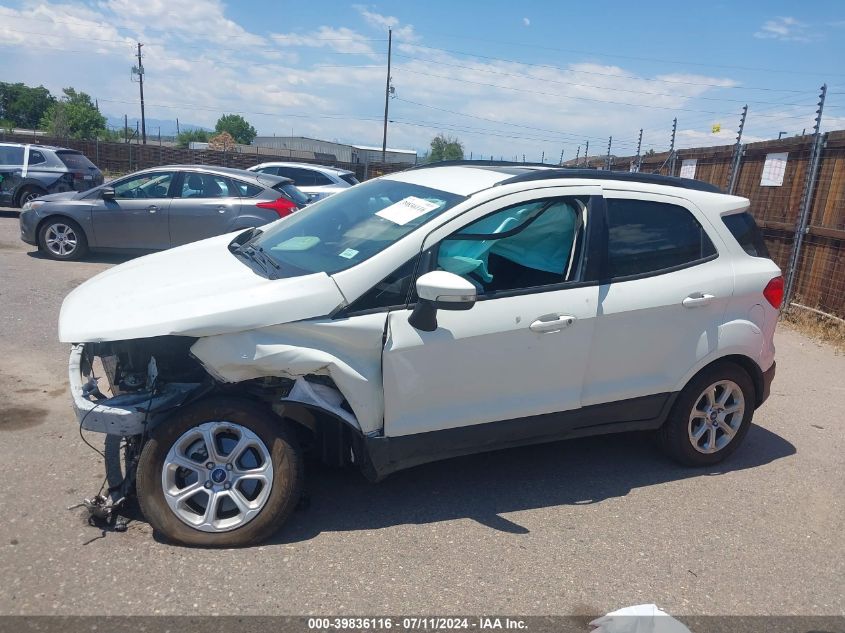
(223, 472)
(62, 238)
(711, 416)
(28, 194)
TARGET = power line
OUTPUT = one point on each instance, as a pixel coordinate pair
(562, 96)
(581, 85)
(647, 59)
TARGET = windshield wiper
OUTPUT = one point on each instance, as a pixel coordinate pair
(264, 262)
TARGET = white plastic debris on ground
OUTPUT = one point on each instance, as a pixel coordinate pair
(641, 618)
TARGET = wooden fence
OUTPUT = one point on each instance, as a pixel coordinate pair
(121, 158)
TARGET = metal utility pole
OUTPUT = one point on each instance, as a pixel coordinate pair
(125, 128)
(387, 95)
(639, 149)
(560, 162)
(607, 158)
(737, 153)
(578, 156)
(806, 199)
(543, 157)
(672, 147)
(139, 70)
(177, 126)
(586, 154)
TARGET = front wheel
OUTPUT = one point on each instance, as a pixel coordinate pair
(222, 473)
(62, 238)
(711, 416)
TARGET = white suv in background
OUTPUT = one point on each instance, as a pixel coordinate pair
(316, 181)
(436, 312)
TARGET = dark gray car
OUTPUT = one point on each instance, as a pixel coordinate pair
(155, 209)
(29, 171)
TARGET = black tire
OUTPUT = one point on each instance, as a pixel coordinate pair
(287, 479)
(675, 434)
(28, 193)
(80, 246)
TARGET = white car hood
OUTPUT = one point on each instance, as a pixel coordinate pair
(199, 289)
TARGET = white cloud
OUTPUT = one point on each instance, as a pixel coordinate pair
(383, 22)
(526, 21)
(785, 29)
(343, 40)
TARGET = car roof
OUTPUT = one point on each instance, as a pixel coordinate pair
(469, 177)
(54, 148)
(280, 163)
(264, 179)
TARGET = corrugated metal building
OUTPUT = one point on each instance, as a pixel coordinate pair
(328, 151)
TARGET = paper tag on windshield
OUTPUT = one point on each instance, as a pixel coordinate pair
(406, 210)
(349, 253)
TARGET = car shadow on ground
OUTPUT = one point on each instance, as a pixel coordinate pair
(91, 258)
(485, 486)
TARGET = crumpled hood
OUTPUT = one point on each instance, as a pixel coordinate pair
(199, 289)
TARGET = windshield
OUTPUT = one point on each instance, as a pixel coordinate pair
(345, 229)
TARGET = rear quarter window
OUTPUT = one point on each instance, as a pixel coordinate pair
(745, 230)
(75, 160)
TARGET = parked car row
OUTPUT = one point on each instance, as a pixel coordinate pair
(67, 211)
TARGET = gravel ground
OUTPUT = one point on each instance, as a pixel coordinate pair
(584, 526)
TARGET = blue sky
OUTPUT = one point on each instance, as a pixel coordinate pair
(506, 78)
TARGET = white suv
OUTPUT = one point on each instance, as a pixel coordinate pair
(435, 312)
(316, 181)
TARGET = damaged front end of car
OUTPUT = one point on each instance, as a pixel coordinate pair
(124, 389)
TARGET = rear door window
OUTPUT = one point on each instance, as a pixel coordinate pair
(743, 227)
(196, 185)
(648, 237)
(36, 157)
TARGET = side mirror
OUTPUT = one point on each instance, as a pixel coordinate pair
(441, 290)
(107, 193)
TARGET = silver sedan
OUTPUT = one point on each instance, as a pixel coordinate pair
(155, 209)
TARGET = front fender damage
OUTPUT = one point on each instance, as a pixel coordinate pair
(349, 355)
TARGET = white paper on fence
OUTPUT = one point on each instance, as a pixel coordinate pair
(407, 209)
(773, 170)
(688, 168)
(641, 618)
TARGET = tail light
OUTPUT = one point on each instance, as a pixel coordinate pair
(282, 206)
(774, 292)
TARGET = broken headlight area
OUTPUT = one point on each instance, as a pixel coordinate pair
(120, 387)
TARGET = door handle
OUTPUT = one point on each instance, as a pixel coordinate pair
(552, 323)
(221, 209)
(152, 208)
(697, 299)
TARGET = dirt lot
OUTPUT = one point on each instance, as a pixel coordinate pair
(577, 527)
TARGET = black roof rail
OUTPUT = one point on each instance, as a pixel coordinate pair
(552, 171)
(624, 176)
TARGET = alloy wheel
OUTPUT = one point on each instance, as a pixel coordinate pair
(716, 416)
(217, 476)
(61, 239)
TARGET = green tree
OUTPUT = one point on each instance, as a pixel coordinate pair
(237, 126)
(23, 106)
(73, 115)
(191, 136)
(445, 148)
